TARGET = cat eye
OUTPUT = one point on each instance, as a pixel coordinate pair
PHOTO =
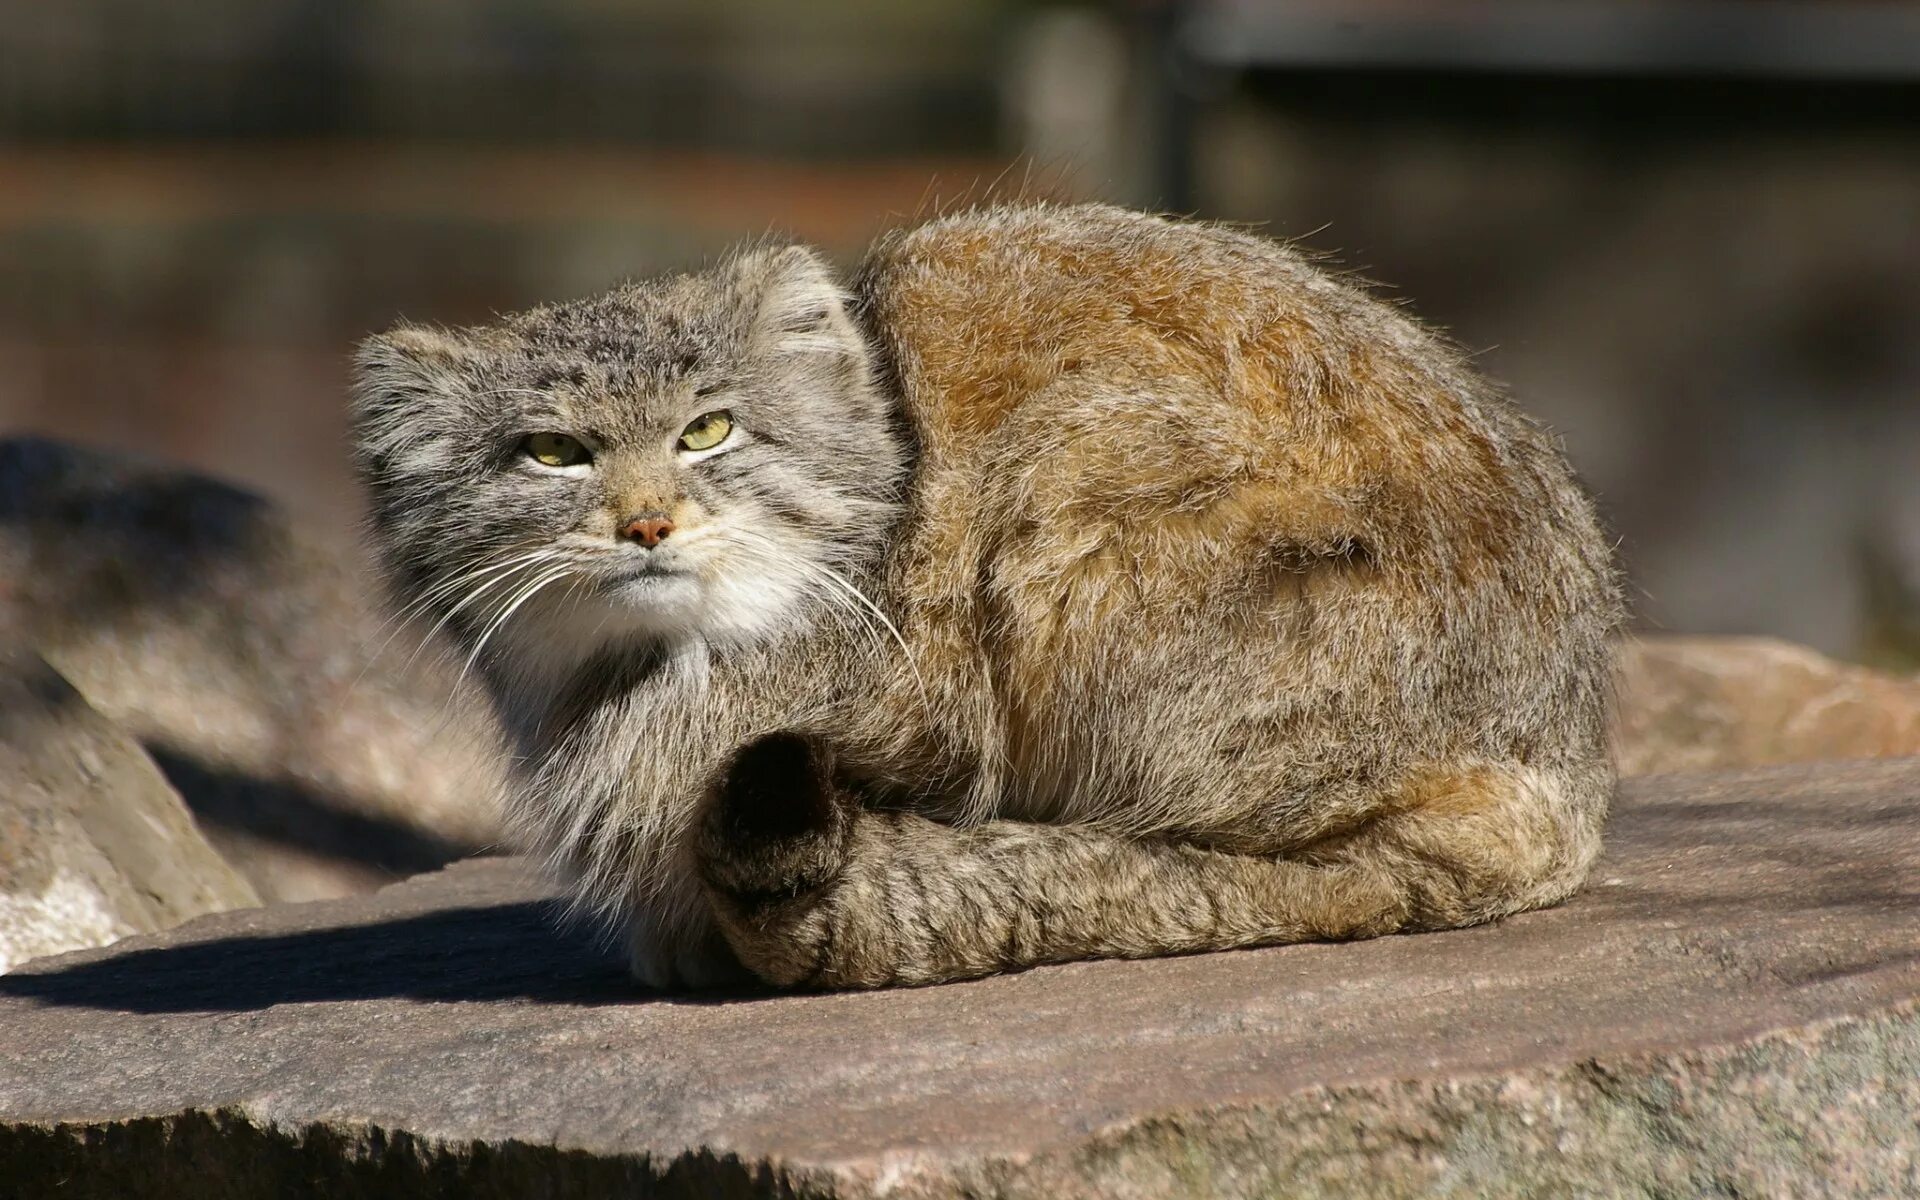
(707, 430)
(556, 450)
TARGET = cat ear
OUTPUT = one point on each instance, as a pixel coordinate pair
(407, 387)
(799, 307)
(404, 366)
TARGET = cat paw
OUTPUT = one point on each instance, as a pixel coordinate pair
(704, 964)
(776, 828)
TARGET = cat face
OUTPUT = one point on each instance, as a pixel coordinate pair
(691, 459)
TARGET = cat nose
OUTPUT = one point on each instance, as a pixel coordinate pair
(649, 529)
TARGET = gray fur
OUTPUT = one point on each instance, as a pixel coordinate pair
(1091, 584)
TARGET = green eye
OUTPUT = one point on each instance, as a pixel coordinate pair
(707, 430)
(556, 450)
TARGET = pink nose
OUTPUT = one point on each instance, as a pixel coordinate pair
(649, 530)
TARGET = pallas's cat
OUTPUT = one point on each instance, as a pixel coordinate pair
(1076, 583)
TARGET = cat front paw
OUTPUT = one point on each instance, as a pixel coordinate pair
(667, 964)
(776, 829)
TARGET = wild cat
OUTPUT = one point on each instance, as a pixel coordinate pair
(1079, 583)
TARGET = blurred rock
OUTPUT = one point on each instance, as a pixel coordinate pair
(1706, 703)
(1729, 1009)
(319, 752)
(93, 843)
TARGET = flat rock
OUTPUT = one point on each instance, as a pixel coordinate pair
(325, 750)
(1709, 703)
(93, 843)
(1729, 1009)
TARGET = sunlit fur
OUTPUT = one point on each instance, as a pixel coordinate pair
(1150, 591)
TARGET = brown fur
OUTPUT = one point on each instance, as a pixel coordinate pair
(1235, 609)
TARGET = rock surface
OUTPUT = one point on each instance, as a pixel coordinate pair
(1729, 1009)
(321, 755)
(1709, 703)
(93, 843)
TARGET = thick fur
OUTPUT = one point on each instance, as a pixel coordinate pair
(1181, 598)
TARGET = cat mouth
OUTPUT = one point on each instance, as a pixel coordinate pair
(649, 581)
(646, 573)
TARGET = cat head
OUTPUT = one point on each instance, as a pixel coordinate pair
(691, 458)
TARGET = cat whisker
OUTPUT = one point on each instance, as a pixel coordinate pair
(860, 604)
(499, 575)
(505, 613)
(508, 574)
(900, 640)
(446, 587)
(397, 623)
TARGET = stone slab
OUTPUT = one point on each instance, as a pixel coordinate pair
(1729, 1009)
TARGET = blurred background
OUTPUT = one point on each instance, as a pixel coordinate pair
(1687, 234)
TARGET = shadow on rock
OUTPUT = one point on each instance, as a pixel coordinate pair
(496, 952)
(230, 805)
